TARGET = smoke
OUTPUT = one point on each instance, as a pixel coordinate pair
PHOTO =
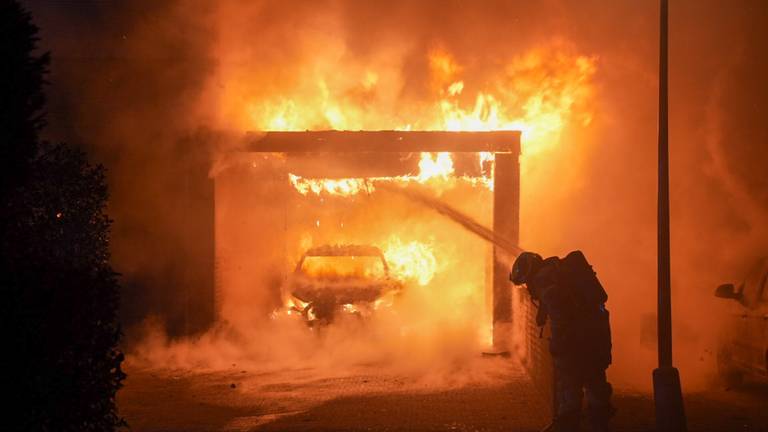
(439, 322)
(717, 185)
(126, 84)
(140, 84)
(748, 200)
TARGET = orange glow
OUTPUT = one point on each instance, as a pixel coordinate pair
(441, 165)
(294, 305)
(343, 267)
(432, 168)
(537, 95)
(538, 92)
(340, 187)
(541, 91)
(413, 261)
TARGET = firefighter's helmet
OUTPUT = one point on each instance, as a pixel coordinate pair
(525, 266)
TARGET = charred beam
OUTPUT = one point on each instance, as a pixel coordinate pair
(383, 141)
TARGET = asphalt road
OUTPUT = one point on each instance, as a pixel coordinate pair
(495, 395)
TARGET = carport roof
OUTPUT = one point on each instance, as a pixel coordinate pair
(383, 141)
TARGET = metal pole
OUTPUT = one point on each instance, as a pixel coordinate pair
(664, 283)
(668, 398)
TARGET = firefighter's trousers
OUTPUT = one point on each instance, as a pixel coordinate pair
(574, 380)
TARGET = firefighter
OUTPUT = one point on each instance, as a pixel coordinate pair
(569, 294)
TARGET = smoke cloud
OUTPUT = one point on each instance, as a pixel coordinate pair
(141, 85)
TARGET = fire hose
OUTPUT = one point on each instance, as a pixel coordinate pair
(446, 210)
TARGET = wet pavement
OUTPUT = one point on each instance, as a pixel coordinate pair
(492, 395)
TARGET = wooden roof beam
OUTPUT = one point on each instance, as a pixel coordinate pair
(383, 141)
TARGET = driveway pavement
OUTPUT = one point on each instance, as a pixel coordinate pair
(490, 395)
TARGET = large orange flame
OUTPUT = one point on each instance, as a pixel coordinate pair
(410, 261)
(538, 92)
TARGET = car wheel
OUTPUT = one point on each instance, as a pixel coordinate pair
(727, 371)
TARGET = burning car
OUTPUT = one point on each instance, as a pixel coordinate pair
(744, 349)
(334, 279)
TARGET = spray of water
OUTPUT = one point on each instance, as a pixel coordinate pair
(455, 215)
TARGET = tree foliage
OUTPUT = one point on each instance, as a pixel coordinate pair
(22, 75)
(59, 293)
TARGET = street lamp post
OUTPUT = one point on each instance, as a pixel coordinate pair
(667, 395)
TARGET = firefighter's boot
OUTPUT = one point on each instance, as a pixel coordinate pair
(599, 418)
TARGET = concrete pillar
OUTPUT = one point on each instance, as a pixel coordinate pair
(506, 223)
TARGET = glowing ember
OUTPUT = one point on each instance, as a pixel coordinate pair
(432, 168)
(339, 187)
(350, 308)
(294, 305)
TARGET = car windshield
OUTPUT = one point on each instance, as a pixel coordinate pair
(343, 266)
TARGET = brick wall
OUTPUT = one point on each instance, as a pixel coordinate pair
(532, 349)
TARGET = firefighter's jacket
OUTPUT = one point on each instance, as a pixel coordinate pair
(579, 332)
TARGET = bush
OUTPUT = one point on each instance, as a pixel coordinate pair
(59, 293)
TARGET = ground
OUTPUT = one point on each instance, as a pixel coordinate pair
(496, 396)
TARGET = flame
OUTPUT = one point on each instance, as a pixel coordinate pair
(339, 187)
(538, 92)
(293, 302)
(439, 166)
(432, 167)
(293, 306)
(410, 261)
(350, 308)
